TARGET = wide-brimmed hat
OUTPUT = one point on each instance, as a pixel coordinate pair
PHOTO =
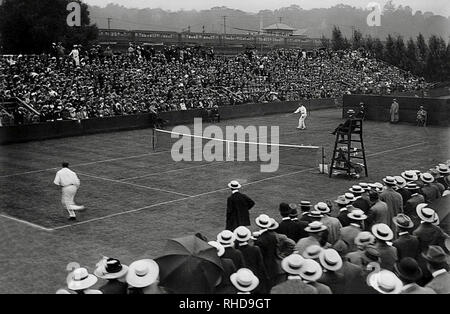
(315, 226)
(350, 197)
(408, 269)
(244, 280)
(225, 237)
(263, 221)
(315, 214)
(435, 254)
(356, 189)
(142, 273)
(292, 264)
(412, 186)
(403, 221)
(377, 187)
(425, 213)
(284, 209)
(305, 205)
(386, 282)
(389, 180)
(312, 251)
(383, 232)
(311, 270)
(330, 259)
(80, 279)
(219, 247)
(322, 207)
(427, 177)
(110, 268)
(400, 181)
(234, 185)
(409, 175)
(273, 224)
(443, 169)
(242, 234)
(365, 186)
(364, 238)
(357, 214)
(371, 252)
(342, 200)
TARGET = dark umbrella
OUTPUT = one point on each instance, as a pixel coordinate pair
(189, 265)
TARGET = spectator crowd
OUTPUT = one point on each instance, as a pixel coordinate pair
(95, 82)
(377, 238)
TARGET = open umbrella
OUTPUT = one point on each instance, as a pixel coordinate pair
(189, 265)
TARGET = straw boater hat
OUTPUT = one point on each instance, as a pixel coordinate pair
(356, 189)
(263, 221)
(364, 238)
(403, 221)
(225, 237)
(242, 234)
(350, 197)
(408, 268)
(315, 214)
(312, 251)
(389, 180)
(110, 268)
(383, 232)
(273, 224)
(294, 212)
(322, 207)
(142, 273)
(412, 186)
(409, 175)
(377, 187)
(357, 214)
(305, 205)
(386, 282)
(315, 226)
(342, 200)
(234, 185)
(371, 253)
(80, 279)
(292, 264)
(244, 280)
(330, 259)
(365, 186)
(219, 247)
(443, 169)
(425, 213)
(311, 270)
(427, 177)
(400, 182)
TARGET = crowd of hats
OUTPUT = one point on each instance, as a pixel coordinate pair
(313, 263)
(107, 84)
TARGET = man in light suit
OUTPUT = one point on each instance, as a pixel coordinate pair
(238, 206)
(69, 183)
(394, 112)
(438, 266)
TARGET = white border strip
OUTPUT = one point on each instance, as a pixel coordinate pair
(26, 223)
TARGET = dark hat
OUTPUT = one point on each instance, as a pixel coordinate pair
(435, 254)
(284, 208)
(305, 205)
(294, 212)
(372, 252)
(403, 221)
(408, 269)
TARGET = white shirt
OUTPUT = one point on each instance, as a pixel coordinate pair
(65, 177)
(439, 272)
(74, 53)
(302, 110)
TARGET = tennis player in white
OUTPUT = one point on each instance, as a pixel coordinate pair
(303, 115)
(69, 183)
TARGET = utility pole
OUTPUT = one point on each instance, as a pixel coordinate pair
(189, 28)
(203, 29)
(224, 24)
(109, 22)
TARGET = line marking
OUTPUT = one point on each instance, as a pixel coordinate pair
(132, 184)
(26, 223)
(395, 149)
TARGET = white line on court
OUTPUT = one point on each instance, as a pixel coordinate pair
(26, 223)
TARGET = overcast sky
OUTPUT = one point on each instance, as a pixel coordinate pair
(441, 7)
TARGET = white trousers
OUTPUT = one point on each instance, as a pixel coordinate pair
(301, 122)
(67, 199)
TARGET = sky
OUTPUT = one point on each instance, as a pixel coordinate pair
(441, 7)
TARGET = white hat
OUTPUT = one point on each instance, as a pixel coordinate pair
(365, 186)
(443, 169)
(234, 185)
(273, 224)
(292, 264)
(389, 180)
(315, 226)
(400, 181)
(110, 268)
(330, 259)
(80, 279)
(409, 175)
(142, 273)
(242, 234)
(350, 197)
(364, 238)
(357, 214)
(386, 282)
(322, 207)
(218, 246)
(426, 177)
(356, 189)
(263, 221)
(225, 237)
(312, 251)
(425, 213)
(244, 280)
(382, 231)
(310, 270)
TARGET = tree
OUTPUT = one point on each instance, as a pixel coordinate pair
(411, 56)
(337, 40)
(400, 53)
(29, 26)
(325, 42)
(389, 51)
(378, 49)
(435, 65)
(357, 40)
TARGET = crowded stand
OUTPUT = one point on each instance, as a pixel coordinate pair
(375, 238)
(95, 82)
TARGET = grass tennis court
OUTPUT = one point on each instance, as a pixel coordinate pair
(137, 197)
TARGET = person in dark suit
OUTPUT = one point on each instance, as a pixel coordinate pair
(409, 273)
(342, 203)
(401, 188)
(238, 206)
(112, 270)
(388, 254)
(439, 269)
(224, 286)
(331, 262)
(301, 225)
(429, 191)
(444, 175)
(407, 245)
(347, 126)
(305, 207)
(226, 239)
(294, 230)
(362, 200)
(252, 257)
(411, 204)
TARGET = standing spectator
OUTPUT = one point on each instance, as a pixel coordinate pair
(379, 212)
(226, 239)
(392, 198)
(244, 280)
(333, 224)
(331, 262)
(225, 286)
(400, 188)
(439, 269)
(112, 270)
(143, 276)
(238, 205)
(75, 54)
(300, 225)
(80, 281)
(429, 191)
(342, 203)
(362, 240)
(315, 230)
(385, 282)
(362, 200)
(349, 233)
(412, 203)
(388, 253)
(406, 244)
(409, 273)
(310, 273)
(394, 112)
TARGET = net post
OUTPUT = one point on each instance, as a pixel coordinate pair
(153, 138)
